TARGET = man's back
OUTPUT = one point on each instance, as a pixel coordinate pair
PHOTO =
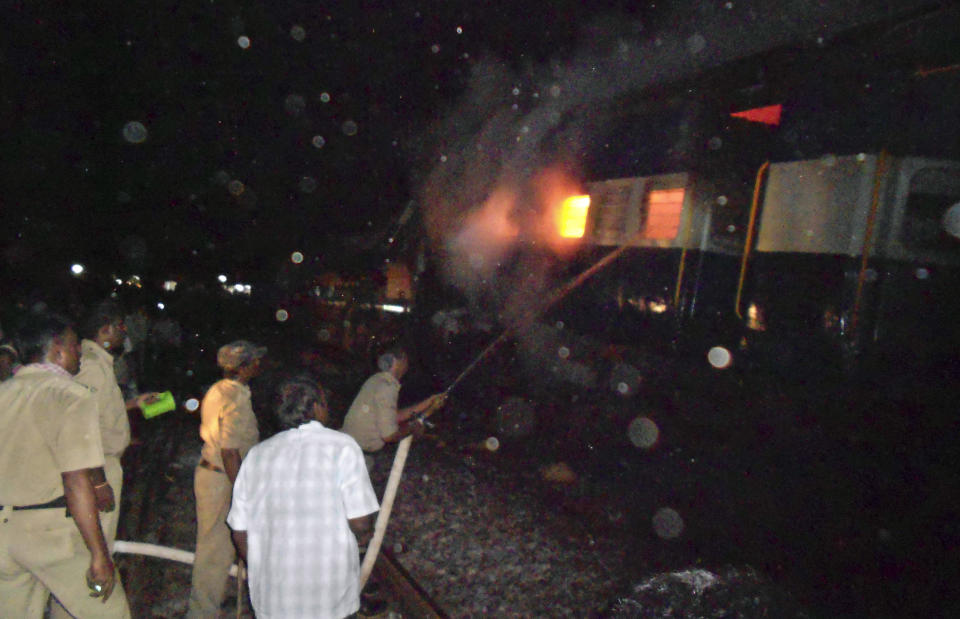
(294, 495)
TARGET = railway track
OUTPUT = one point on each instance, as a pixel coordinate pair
(403, 595)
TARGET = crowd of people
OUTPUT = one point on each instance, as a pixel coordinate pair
(297, 507)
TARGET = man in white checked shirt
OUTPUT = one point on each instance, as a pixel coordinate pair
(300, 503)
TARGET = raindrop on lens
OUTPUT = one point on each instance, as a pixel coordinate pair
(324, 335)
(318, 141)
(459, 30)
(922, 273)
(722, 200)
(308, 184)
(696, 44)
(297, 33)
(192, 404)
(564, 352)
(134, 132)
(731, 228)
(349, 128)
(282, 315)
(243, 42)
(715, 143)
(667, 523)
(719, 357)
(296, 257)
(235, 187)
(325, 97)
(295, 104)
(623, 388)
(643, 432)
(516, 91)
(222, 177)
(492, 443)
(435, 48)
(559, 324)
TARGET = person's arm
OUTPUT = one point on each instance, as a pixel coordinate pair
(362, 528)
(425, 407)
(240, 541)
(82, 507)
(102, 490)
(231, 463)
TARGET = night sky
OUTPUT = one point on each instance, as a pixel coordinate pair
(169, 138)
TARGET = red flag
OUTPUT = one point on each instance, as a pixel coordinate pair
(769, 115)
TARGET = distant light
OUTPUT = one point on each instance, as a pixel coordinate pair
(222, 279)
(118, 281)
(296, 257)
(77, 269)
(573, 216)
(396, 309)
(238, 287)
(170, 285)
(719, 357)
(160, 305)
(243, 42)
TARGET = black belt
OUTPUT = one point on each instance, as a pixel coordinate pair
(57, 502)
(211, 467)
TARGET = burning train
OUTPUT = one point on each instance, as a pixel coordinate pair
(839, 259)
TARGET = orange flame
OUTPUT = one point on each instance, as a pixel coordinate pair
(563, 209)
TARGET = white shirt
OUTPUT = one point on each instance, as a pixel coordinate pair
(293, 496)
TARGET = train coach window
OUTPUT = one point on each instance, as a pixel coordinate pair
(661, 213)
(933, 192)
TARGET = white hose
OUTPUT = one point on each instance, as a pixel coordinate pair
(160, 552)
(373, 548)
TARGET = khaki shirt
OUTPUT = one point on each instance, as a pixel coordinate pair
(48, 425)
(227, 421)
(373, 415)
(96, 372)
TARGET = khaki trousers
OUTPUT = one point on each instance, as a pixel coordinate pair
(41, 551)
(215, 552)
(108, 522)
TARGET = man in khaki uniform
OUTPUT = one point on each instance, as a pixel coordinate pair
(228, 428)
(49, 442)
(103, 331)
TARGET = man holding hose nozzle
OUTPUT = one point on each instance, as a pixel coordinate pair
(374, 420)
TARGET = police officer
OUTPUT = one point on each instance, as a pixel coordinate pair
(49, 442)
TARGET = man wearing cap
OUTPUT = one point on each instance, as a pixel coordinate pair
(50, 535)
(228, 428)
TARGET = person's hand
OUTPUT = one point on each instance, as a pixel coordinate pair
(101, 578)
(434, 403)
(103, 493)
(417, 428)
(146, 398)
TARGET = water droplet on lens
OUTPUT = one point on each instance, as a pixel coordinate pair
(643, 432)
(719, 357)
(715, 143)
(667, 523)
(295, 104)
(134, 132)
(308, 184)
(192, 404)
(435, 48)
(564, 352)
(318, 141)
(297, 33)
(282, 315)
(722, 200)
(235, 187)
(243, 42)
(325, 97)
(696, 44)
(350, 128)
(296, 257)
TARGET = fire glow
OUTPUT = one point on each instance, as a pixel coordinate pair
(573, 217)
